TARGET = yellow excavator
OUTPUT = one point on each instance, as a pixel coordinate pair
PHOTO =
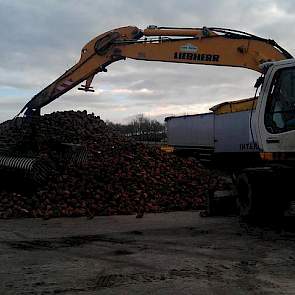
(208, 46)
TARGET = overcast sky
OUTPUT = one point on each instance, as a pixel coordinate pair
(41, 39)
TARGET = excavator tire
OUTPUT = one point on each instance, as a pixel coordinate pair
(259, 195)
(247, 202)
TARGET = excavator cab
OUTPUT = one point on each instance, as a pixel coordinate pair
(274, 116)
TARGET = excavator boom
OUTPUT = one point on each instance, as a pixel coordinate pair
(208, 46)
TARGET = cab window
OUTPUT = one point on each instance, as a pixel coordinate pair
(280, 107)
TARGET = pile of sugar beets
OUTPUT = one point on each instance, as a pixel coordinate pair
(120, 176)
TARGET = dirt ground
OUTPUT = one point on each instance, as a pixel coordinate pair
(171, 253)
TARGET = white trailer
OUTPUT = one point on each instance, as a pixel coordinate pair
(191, 132)
(227, 129)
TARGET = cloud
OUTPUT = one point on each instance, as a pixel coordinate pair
(41, 39)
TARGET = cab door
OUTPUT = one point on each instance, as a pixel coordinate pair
(275, 112)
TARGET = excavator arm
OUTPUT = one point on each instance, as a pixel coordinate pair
(208, 46)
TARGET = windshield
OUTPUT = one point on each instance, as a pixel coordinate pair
(280, 109)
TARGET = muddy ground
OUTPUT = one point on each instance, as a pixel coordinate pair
(171, 253)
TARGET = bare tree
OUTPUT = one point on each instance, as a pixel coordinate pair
(142, 128)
